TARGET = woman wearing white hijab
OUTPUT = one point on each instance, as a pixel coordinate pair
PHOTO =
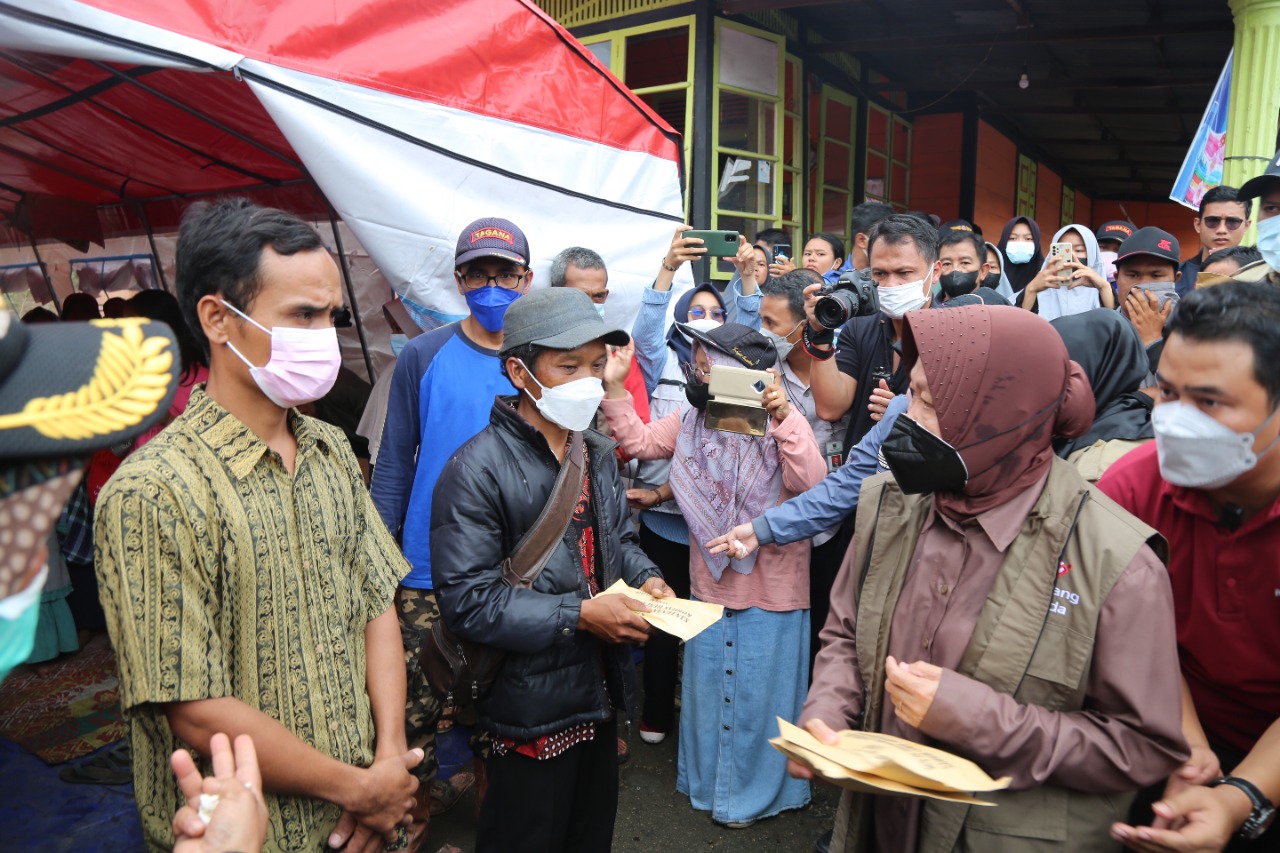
(1069, 287)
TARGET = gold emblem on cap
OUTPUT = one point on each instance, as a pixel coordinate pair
(129, 380)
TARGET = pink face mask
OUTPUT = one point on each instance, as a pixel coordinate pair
(303, 365)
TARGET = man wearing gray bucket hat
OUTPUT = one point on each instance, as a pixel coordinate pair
(553, 776)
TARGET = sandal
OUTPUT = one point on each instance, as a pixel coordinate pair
(113, 767)
(445, 793)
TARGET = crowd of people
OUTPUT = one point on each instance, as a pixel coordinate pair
(1021, 504)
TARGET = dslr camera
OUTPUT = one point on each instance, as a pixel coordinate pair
(854, 295)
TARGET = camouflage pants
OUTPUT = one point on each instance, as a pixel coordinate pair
(418, 611)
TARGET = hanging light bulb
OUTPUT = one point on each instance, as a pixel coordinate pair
(1024, 81)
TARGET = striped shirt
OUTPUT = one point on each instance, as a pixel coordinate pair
(222, 575)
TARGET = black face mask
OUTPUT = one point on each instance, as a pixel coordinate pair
(697, 394)
(922, 462)
(958, 283)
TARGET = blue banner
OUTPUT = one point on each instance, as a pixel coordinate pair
(1202, 169)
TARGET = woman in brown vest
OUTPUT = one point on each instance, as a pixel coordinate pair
(1004, 610)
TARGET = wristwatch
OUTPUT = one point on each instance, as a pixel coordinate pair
(1263, 810)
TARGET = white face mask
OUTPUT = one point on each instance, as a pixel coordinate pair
(780, 342)
(1019, 252)
(572, 405)
(1198, 452)
(303, 366)
(1269, 241)
(895, 302)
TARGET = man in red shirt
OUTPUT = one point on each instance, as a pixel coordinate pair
(1210, 483)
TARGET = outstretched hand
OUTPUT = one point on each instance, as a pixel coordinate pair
(239, 818)
(740, 542)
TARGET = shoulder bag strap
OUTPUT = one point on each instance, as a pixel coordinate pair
(535, 548)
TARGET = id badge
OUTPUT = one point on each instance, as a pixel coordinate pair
(835, 455)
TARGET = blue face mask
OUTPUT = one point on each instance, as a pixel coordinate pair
(18, 616)
(1019, 252)
(398, 342)
(489, 305)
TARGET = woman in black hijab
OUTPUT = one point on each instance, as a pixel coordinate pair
(1106, 346)
(1019, 266)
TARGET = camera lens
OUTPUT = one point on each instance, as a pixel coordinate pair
(835, 309)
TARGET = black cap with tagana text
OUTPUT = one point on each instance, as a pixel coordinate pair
(1116, 229)
(1259, 184)
(491, 237)
(1151, 241)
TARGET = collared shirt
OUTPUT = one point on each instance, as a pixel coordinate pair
(223, 575)
(1226, 596)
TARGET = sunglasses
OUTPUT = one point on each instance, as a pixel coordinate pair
(717, 314)
(1233, 222)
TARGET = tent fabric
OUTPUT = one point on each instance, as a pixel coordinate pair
(412, 119)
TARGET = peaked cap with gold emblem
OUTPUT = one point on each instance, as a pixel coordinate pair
(70, 389)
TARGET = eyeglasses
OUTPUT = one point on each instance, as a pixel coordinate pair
(693, 373)
(475, 279)
(717, 314)
(1233, 222)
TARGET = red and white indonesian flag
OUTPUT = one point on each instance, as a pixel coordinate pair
(414, 118)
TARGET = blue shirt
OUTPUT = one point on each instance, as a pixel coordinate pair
(441, 394)
(831, 501)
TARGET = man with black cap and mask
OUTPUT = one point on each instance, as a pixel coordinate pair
(962, 256)
(1265, 188)
(552, 708)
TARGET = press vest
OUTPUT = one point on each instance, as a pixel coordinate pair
(1034, 640)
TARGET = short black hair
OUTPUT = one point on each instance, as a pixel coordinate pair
(220, 251)
(79, 307)
(1247, 312)
(1242, 255)
(527, 353)
(39, 314)
(900, 227)
(1225, 193)
(583, 259)
(951, 237)
(772, 236)
(791, 288)
(836, 244)
(114, 308)
(162, 306)
(867, 215)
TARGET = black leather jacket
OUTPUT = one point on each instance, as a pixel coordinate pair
(488, 495)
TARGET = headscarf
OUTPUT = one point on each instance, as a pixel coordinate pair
(1021, 274)
(1113, 358)
(1002, 386)
(722, 479)
(675, 339)
(1062, 301)
(1004, 288)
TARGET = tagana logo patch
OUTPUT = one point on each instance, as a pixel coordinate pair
(1123, 229)
(1166, 245)
(492, 234)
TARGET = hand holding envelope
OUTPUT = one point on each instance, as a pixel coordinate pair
(677, 616)
(882, 764)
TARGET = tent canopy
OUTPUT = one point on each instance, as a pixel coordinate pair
(409, 120)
